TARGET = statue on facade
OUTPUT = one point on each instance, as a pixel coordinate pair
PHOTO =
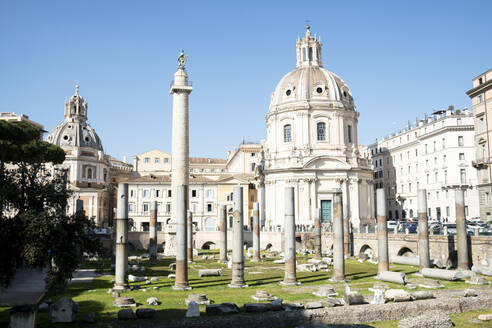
(181, 60)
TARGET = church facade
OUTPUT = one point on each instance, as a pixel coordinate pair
(312, 145)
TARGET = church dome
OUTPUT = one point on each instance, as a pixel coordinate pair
(74, 130)
(310, 81)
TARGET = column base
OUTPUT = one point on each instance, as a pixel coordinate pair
(121, 288)
(237, 285)
(181, 287)
(290, 283)
(23, 316)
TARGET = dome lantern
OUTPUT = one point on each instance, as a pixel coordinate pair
(308, 50)
(76, 108)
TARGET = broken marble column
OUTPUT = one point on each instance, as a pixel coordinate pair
(223, 233)
(461, 233)
(395, 277)
(423, 230)
(256, 233)
(317, 233)
(189, 237)
(338, 236)
(121, 260)
(442, 274)
(383, 259)
(237, 242)
(153, 232)
(290, 239)
(181, 282)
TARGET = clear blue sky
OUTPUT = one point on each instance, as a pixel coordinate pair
(401, 59)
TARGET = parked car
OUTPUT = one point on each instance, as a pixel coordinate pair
(412, 227)
(435, 228)
(391, 225)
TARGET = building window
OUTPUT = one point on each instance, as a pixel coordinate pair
(287, 133)
(427, 178)
(445, 177)
(193, 193)
(169, 193)
(131, 207)
(168, 208)
(460, 141)
(480, 99)
(310, 53)
(157, 160)
(321, 128)
(434, 146)
(416, 152)
(462, 156)
(89, 173)
(147, 160)
(443, 143)
(435, 177)
(253, 167)
(458, 121)
(426, 148)
(193, 207)
(209, 207)
(481, 125)
(132, 193)
(303, 54)
(165, 160)
(157, 193)
(145, 207)
(349, 133)
(210, 193)
(483, 151)
(463, 176)
(146, 193)
(409, 187)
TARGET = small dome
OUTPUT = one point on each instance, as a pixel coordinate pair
(74, 130)
(310, 81)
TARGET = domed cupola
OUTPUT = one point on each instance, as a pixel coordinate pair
(74, 130)
(310, 82)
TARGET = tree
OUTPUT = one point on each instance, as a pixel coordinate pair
(34, 228)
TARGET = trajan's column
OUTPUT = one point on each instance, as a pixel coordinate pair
(181, 89)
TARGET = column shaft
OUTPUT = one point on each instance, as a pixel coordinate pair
(121, 260)
(189, 237)
(181, 282)
(317, 233)
(237, 243)
(423, 230)
(338, 239)
(153, 232)
(461, 235)
(223, 233)
(383, 260)
(256, 233)
(289, 238)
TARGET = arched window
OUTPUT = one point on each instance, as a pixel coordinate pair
(303, 54)
(321, 129)
(89, 173)
(287, 133)
(310, 53)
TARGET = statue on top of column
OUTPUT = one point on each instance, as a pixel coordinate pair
(181, 60)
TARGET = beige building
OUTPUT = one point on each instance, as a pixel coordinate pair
(481, 97)
(13, 117)
(211, 182)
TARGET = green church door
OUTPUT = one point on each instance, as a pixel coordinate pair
(325, 211)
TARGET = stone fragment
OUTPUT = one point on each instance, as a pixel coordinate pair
(442, 274)
(115, 294)
(89, 317)
(152, 301)
(172, 266)
(223, 308)
(154, 279)
(171, 276)
(124, 302)
(431, 284)
(229, 264)
(279, 261)
(145, 313)
(431, 319)
(378, 297)
(193, 310)
(307, 267)
(323, 266)
(391, 276)
(477, 280)
(325, 291)
(353, 298)
(262, 295)
(132, 278)
(147, 282)
(485, 317)
(64, 310)
(421, 295)
(197, 298)
(379, 285)
(397, 295)
(331, 301)
(275, 305)
(314, 261)
(327, 260)
(43, 307)
(482, 269)
(209, 272)
(296, 306)
(410, 286)
(255, 307)
(313, 305)
(126, 314)
(470, 293)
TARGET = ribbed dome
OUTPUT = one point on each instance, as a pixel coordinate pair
(74, 130)
(311, 83)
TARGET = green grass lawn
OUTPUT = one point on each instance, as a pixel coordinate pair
(93, 297)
